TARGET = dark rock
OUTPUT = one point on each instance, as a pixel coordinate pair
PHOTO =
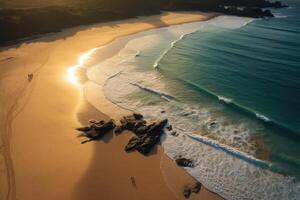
(147, 136)
(84, 129)
(139, 123)
(103, 126)
(148, 142)
(197, 187)
(101, 122)
(96, 130)
(278, 4)
(158, 127)
(118, 129)
(184, 162)
(128, 122)
(187, 192)
(163, 111)
(141, 130)
(132, 143)
(247, 11)
(174, 133)
(137, 116)
(170, 128)
(134, 123)
(267, 13)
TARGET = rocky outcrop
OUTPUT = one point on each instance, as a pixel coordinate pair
(133, 123)
(188, 190)
(184, 162)
(96, 130)
(146, 136)
(196, 189)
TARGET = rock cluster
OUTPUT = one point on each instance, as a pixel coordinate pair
(146, 136)
(184, 162)
(195, 189)
(96, 130)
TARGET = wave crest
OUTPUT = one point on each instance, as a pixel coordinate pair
(156, 63)
(161, 94)
(262, 117)
(224, 99)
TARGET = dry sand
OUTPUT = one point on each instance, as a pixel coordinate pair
(39, 148)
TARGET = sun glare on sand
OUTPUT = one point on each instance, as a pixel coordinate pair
(72, 75)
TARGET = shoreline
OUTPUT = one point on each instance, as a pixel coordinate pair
(57, 117)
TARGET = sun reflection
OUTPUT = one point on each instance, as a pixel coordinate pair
(72, 75)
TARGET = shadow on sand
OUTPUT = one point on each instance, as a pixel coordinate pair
(111, 169)
(155, 21)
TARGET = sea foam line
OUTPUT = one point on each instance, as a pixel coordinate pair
(164, 96)
(156, 63)
(224, 99)
(227, 149)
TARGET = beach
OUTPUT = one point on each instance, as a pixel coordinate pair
(40, 151)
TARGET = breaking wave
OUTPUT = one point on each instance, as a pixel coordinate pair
(224, 99)
(156, 63)
(262, 117)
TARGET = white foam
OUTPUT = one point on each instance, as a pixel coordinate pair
(155, 65)
(230, 22)
(278, 15)
(232, 178)
(262, 117)
(224, 99)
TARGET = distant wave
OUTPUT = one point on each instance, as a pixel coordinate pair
(229, 22)
(280, 16)
(235, 22)
(262, 117)
(259, 58)
(224, 99)
(287, 159)
(249, 112)
(163, 95)
(156, 63)
(240, 108)
(278, 29)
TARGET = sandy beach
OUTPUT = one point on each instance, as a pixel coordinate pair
(41, 155)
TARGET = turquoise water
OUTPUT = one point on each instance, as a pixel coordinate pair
(257, 68)
(230, 87)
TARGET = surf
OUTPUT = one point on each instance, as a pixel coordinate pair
(243, 109)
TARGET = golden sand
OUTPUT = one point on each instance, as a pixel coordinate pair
(39, 148)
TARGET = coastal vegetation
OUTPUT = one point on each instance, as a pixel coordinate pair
(21, 19)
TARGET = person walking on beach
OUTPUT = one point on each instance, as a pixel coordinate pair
(29, 77)
(133, 181)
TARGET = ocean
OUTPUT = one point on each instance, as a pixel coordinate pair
(230, 87)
